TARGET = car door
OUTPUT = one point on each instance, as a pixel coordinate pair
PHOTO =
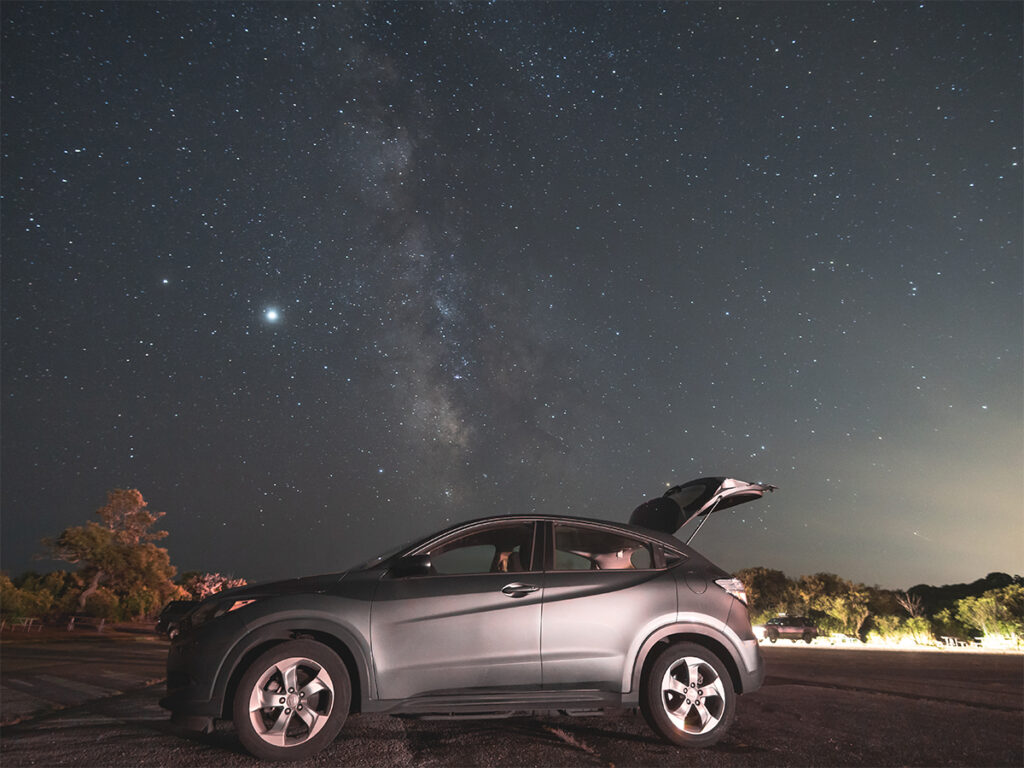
(472, 622)
(602, 590)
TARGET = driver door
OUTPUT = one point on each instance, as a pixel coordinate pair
(471, 623)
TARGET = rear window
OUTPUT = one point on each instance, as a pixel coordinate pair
(578, 548)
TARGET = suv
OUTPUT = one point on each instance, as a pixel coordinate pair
(168, 623)
(509, 613)
(791, 627)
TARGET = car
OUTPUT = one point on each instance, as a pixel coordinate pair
(790, 627)
(169, 621)
(510, 613)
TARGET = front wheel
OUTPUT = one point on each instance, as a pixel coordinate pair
(292, 701)
(687, 696)
(773, 635)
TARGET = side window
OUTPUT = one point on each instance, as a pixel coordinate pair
(570, 561)
(590, 549)
(501, 549)
(672, 558)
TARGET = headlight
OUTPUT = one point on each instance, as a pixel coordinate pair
(734, 587)
(215, 608)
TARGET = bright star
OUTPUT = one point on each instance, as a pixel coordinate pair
(271, 315)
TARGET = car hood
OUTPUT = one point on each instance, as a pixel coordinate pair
(301, 585)
(682, 503)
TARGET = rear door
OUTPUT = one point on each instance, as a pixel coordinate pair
(603, 588)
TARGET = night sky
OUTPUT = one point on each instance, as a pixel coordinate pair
(321, 279)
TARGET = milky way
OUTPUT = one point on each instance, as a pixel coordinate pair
(317, 279)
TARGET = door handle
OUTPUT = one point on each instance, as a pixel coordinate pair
(516, 589)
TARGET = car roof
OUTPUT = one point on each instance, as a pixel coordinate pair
(636, 530)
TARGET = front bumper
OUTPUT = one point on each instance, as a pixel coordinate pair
(193, 722)
(196, 673)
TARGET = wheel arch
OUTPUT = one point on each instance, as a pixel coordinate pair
(705, 636)
(337, 638)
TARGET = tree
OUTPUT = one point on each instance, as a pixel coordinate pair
(813, 591)
(93, 547)
(882, 602)
(934, 599)
(910, 603)
(996, 612)
(849, 608)
(119, 553)
(769, 592)
(845, 604)
(948, 625)
(126, 513)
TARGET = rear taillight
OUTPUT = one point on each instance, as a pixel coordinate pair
(734, 587)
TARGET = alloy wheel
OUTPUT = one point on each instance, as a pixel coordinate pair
(693, 695)
(291, 702)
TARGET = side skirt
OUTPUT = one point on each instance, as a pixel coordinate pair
(449, 705)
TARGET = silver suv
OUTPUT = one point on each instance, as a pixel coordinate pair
(510, 613)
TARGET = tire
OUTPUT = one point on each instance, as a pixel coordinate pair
(808, 637)
(292, 701)
(773, 635)
(687, 696)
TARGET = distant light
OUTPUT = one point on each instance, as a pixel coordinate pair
(271, 315)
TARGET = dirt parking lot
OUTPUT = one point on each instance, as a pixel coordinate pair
(819, 707)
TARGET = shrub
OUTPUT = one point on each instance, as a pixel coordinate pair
(201, 585)
(15, 601)
(828, 624)
(893, 630)
(139, 602)
(103, 604)
(948, 625)
(920, 629)
(887, 629)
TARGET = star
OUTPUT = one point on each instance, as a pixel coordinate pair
(540, 265)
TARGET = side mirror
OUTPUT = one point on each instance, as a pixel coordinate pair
(414, 565)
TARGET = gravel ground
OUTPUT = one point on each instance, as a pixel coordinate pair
(838, 708)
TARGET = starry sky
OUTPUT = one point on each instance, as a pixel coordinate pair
(319, 279)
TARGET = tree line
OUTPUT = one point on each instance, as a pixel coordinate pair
(992, 606)
(123, 575)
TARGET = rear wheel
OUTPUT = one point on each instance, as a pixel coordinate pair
(687, 696)
(292, 701)
(808, 637)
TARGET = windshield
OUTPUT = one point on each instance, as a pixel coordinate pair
(386, 555)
